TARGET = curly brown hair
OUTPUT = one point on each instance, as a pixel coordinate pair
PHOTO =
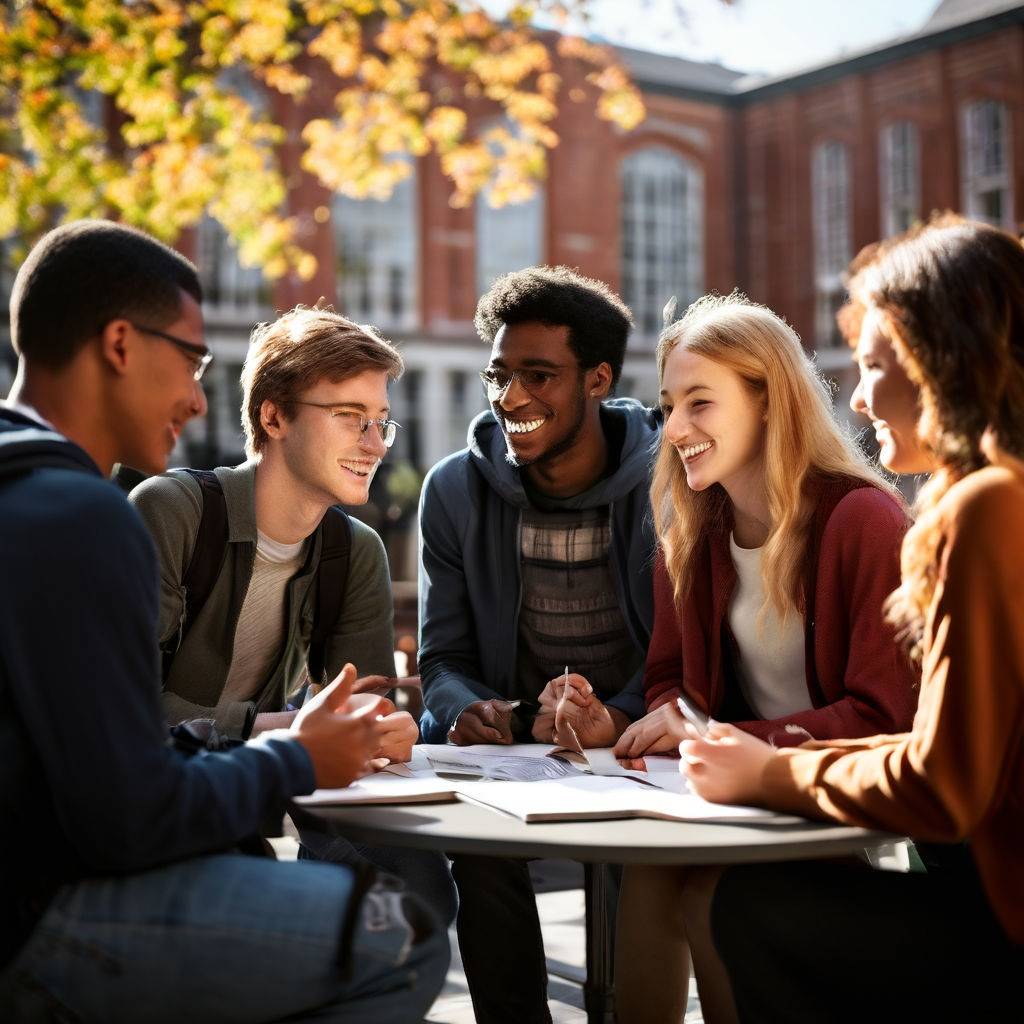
(951, 295)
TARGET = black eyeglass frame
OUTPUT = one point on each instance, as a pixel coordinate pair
(200, 352)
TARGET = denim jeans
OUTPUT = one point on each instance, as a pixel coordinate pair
(425, 872)
(227, 938)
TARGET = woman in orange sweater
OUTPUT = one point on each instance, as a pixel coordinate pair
(938, 317)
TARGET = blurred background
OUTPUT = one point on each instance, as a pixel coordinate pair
(779, 138)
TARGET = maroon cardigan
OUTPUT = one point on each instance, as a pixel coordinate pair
(859, 680)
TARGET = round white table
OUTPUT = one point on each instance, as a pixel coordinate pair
(468, 828)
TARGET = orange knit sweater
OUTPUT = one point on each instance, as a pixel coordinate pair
(959, 773)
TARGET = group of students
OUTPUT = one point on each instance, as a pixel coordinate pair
(734, 546)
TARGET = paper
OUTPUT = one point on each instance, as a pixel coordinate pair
(411, 782)
(593, 797)
(662, 772)
(383, 788)
(519, 762)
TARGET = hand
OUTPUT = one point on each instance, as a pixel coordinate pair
(399, 732)
(578, 710)
(727, 765)
(655, 733)
(338, 738)
(543, 729)
(483, 721)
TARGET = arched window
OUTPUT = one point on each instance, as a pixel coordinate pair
(900, 177)
(662, 212)
(985, 163)
(377, 242)
(830, 176)
(507, 237)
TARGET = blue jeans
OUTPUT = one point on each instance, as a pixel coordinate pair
(227, 938)
(425, 872)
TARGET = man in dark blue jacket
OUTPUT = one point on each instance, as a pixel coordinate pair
(119, 897)
(535, 570)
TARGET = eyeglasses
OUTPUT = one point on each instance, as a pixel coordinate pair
(200, 355)
(355, 424)
(534, 382)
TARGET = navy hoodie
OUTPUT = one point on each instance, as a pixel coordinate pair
(469, 578)
(88, 783)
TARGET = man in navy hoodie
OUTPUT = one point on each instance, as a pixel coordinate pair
(536, 555)
(120, 898)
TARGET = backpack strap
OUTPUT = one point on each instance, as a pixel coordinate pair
(208, 555)
(331, 579)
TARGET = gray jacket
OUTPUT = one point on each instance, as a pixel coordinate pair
(469, 580)
(171, 506)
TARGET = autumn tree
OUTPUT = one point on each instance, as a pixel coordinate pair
(158, 112)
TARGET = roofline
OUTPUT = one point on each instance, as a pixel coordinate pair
(858, 64)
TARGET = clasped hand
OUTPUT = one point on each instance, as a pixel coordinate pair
(571, 711)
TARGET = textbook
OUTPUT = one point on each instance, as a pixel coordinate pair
(592, 797)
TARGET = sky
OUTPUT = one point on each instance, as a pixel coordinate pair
(767, 36)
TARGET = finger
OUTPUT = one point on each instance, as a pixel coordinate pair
(372, 684)
(720, 730)
(377, 764)
(336, 694)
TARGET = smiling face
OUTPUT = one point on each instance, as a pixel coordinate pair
(713, 421)
(890, 399)
(545, 421)
(163, 394)
(321, 451)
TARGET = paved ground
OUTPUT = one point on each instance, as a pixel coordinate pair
(560, 899)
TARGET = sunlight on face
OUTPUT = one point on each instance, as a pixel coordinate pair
(889, 399)
(712, 420)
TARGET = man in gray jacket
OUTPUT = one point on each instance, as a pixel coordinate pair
(316, 419)
(536, 554)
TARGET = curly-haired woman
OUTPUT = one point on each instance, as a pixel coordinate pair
(938, 315)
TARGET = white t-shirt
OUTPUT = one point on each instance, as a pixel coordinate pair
(771, 670)
(261, 621)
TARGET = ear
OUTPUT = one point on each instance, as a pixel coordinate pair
(599, 381)
(117, 345)
(273, 419)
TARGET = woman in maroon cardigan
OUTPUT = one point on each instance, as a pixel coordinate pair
(778, 545)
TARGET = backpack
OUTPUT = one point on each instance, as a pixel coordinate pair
(211, 549)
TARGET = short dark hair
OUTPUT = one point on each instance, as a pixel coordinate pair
(598, 320)
(82, 275)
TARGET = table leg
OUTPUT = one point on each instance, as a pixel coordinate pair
(598, 990)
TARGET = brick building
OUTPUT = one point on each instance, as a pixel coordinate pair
(771, 185)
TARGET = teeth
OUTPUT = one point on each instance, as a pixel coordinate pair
(523, 426)
(695, 449)
(359, 468)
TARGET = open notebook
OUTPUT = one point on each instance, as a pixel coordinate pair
(592, 797)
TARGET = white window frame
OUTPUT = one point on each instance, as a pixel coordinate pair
(374, 240)
(662, 243)
(899, 177)
(986, 160)
(229, 289)
(831, 215)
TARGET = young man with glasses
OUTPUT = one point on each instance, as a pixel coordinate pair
(317, 425)
(122, 896)
(536, 557)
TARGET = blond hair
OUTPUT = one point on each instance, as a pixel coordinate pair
(802, 440)
(300, 348)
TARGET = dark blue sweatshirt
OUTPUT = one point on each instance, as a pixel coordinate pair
(88, 783)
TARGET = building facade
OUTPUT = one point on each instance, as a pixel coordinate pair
(767, 185)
